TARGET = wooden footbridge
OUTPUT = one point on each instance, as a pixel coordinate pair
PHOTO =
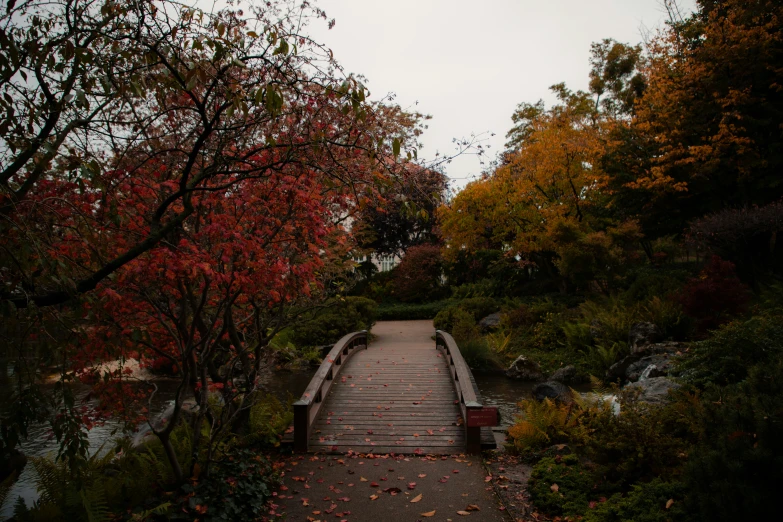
(404, 393)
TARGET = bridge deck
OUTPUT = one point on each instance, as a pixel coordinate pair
(396, 396)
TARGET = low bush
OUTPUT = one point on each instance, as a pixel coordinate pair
(643, 441)
(654, 501)
(237, 489)
(650, 281)
(561, 486)
(479, 307)
(463, 326)
(727, 356)
(268, 419)
(479, 355)
(339, 317)
(544, 423)
(409, 311)
(715, 296)
(418, 276)
(736, 470)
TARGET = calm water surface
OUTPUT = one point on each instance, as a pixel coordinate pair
(284, 385)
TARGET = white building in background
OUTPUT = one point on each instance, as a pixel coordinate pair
(382, 263)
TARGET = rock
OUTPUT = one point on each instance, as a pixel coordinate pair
(524, 369)
(490, 322)
(557, 391)
(566, 374)
(655, 390)
(619, 370)
(13, 463)
(655, 365)
(643, 334)
(558, 449)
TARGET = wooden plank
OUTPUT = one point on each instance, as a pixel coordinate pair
(408, 386)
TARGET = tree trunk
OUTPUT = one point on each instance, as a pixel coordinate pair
(165, 440)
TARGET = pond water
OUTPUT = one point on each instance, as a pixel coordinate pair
(284, 385)
(496, 389)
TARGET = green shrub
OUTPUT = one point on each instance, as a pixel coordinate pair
(726, 357)
(340, 316)
(543, 423)
(642, 442)
(735, 471)
(644, 503)
(268, 419)
(479, 355)
(463, 327)
(444, 320)
(481, 288)
(651, 282)
(407, 311)
(479, 307)
(237, 488)
(600, 358)
(561, 486)
(579, 336)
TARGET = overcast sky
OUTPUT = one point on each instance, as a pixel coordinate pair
(469, 63)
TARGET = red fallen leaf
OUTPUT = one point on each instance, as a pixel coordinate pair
(392, 491)
(430, 432)
(411, 485)
(369, 432)
(422, 475)
(418, 451)
(344, 499)
(374, 484)
(592, 504)
(283, 488)
(455, 471)
(444, 479)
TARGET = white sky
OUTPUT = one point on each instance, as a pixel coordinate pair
(469, 63)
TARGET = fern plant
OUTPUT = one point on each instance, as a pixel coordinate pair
(544, 423)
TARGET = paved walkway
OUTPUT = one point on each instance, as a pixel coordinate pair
(386, 489)
(396, 396)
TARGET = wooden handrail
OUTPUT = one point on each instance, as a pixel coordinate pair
(466, 393)
(306, 409)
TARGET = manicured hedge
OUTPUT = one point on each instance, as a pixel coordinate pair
(405, 311)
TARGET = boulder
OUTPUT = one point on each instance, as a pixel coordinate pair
(643, 334)
(566, 374)
(654, 365)
(619, 370)
(490, 322)
(524, 369)
(556, 391)
(654, 390)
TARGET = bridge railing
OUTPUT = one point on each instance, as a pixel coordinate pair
(306, 409)
(466, 392)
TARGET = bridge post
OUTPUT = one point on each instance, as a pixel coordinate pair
(301, 425)
(472, 433)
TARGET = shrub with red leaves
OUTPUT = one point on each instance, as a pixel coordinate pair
(715, 296)
(418, 276)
